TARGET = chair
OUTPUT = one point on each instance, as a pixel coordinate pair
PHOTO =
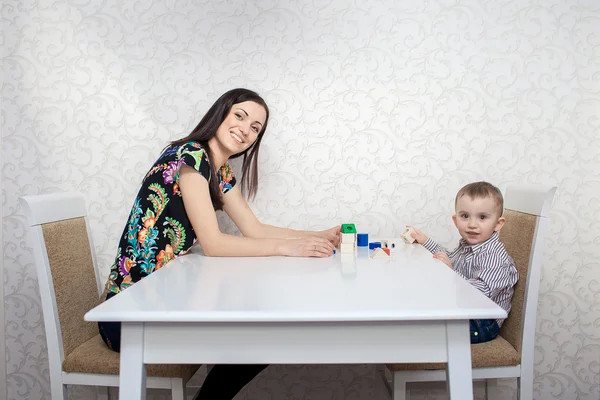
(70, 285)
(511, 354)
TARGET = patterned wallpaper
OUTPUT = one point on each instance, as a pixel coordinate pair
(381, 111)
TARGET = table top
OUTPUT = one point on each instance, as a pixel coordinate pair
(408, 286)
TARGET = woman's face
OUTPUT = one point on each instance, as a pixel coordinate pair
(240, 128)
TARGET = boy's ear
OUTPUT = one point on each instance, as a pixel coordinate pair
(454, 220)
(500, 224)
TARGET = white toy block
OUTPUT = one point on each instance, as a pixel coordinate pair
(379, 253)
(406, 235)
(346, 247)
(385, 244)
(348, 238)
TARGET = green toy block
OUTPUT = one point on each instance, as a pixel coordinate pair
(348, 228)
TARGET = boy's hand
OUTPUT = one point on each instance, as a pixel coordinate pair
(443, 257)
(418, 235)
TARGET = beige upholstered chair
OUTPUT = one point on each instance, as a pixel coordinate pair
(511, 354)
(70, 286)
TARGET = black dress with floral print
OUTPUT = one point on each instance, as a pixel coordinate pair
(158, 229)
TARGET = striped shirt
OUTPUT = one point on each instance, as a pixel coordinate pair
(487, 266)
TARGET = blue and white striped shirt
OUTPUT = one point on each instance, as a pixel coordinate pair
(487, 266)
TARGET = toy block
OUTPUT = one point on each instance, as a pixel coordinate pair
(346, 247)
(348, 228)
(362, 239)
(380, 253)
(406, 235)
(384, 244)
(348, 238)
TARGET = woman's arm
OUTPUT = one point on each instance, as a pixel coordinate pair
(199, 209)
(240, 213)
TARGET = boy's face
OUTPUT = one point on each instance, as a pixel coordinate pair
(477, 219)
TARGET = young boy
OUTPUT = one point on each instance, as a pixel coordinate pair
(480, 257)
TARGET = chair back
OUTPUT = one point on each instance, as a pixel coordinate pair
(66, 268)
(524, 233)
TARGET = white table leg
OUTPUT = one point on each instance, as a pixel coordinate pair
(132, 373)
(460, 373)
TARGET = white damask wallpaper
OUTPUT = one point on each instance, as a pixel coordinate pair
(381, 111)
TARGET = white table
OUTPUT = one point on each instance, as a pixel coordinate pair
(278, 310)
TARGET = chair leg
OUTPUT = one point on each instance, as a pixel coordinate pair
(103, 393)
(525, 381)
(399, 385)
(59, 391)
(177, 389)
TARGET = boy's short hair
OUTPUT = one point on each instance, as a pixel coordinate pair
(478, 190)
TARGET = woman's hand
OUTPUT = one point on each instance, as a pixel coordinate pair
(443, 257)
(333, 235)
(418, 235)
(309, 246)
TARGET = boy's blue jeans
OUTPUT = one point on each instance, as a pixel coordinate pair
(483, 330)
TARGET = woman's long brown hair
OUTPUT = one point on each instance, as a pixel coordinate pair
(207, 129)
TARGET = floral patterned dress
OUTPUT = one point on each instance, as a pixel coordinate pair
(158, 229)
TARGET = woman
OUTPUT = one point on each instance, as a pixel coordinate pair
(176, 205)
